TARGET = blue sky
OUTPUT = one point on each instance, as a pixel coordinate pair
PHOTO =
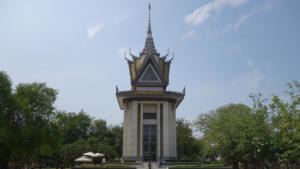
(224, 49)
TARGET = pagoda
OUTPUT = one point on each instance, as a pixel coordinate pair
(149, 126)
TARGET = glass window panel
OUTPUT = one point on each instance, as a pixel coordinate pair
(149, 116)
(146, 139)
(153, 138)
(153, 147)
(153, 130)
(153, 156)
(146, 147)
(146, 156)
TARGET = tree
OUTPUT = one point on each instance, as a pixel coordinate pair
(7, 125)
(115, 138)
(99, 130)
(286, 126)
(35, 102)
(74, 126)
(26, 117)
(227, 128)
(74, 150)
(188, 147)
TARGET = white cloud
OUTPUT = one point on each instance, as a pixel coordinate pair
(92, 31)
(189, 35)
(204, 12)
(271, 5)
(266, 7)
(175, 26)
(235, 26)
(250, 63)
(235, 47)
(250, 81)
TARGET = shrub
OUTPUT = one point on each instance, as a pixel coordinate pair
(114, 160)
(129, 161)
(117, 165)
(212, 165)
(187, 166)
(90, 165)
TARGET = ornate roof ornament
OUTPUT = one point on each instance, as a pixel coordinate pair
(149, 75)
(134, 57)
(149, 48)
(165, 56)
(139, 66)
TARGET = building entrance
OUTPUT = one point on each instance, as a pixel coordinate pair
(149, 142)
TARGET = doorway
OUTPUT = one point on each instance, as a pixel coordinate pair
(149, 142)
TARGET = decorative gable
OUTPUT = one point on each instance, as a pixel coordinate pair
(149, 75)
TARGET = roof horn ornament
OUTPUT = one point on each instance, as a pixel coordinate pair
(128, 60)
(134, 57)
(165, 56)
(170, 60)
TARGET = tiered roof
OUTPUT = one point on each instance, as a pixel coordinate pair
(149, 75)
(149, 69)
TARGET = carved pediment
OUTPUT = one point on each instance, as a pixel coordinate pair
(149, 75)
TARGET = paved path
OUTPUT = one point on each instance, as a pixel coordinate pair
(154, 165)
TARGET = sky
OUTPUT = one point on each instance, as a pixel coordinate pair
(224, 50)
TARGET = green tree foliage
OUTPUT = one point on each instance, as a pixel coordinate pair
(99, 130)
(74, 126)
(268, 132)
(32, 130)
(27, 117)
(115, 138)
(188, 147)
(286, 126)
(7, 124)
(225, 128)
(74, 150)
(36, 104)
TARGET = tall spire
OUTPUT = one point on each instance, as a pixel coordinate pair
(149, 45)
(149, 32)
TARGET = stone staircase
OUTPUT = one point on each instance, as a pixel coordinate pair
(154, 165)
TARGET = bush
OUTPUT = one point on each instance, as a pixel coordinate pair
(117, 165)
(212, 165)
(182, 160)
(187, 166)
(129, 161)
(185, 161)
(114, 160)
(90, 165)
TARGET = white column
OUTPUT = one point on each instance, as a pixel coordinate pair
(166, 130)
(158, 131)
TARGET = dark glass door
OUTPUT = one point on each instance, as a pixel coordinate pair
(149, 142)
